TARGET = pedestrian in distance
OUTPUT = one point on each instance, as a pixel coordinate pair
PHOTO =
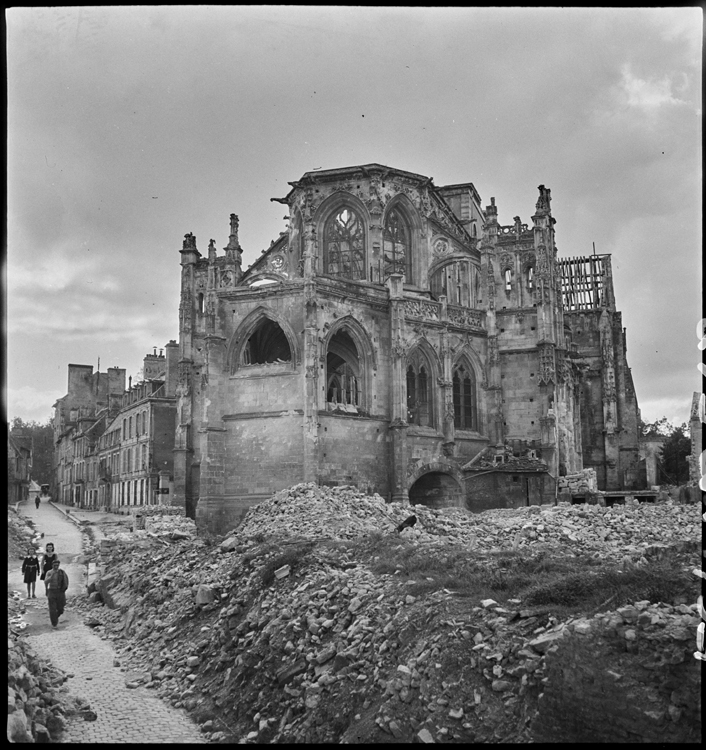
(47, 560)
(30, 568)
(57, 582)
(36, 501)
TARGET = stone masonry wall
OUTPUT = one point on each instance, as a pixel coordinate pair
(354, 451)
(266, 454)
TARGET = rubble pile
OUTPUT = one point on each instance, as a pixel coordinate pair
(344, 513)
(37, 701)
(282, 632)
(322, 512)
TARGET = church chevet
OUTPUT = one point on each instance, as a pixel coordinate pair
(399, 338)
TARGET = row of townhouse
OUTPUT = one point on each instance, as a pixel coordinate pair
(19, 466)
(113, 445)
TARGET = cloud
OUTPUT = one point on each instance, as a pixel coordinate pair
(32, 404)
(648, 95)
(675, 408)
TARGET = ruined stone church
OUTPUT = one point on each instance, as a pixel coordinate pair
(398, 338)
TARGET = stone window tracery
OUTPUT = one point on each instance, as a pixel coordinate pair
(459, 282)
(397, 247)
(508, 279)
(343, 382)
(419, 402)
(344, 245)
(464, 398)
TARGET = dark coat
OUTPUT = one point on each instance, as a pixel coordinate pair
(47, 562)
(30, 567)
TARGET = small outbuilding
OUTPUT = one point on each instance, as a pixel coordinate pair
(497, 478)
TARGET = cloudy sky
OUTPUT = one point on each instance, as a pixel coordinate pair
(130, 126)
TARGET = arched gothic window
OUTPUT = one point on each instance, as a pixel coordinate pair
(343, 386)
(397, 249)
(267, 344)
(508, 279)
(464, 396)
(344, 245)
(530, 277)
(459, 281)
(419, 402)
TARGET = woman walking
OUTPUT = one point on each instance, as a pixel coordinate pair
(30, 568)
(47, 560)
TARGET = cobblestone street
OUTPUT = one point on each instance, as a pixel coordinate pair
(124, 715)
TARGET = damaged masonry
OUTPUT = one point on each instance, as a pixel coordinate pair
(393, 335)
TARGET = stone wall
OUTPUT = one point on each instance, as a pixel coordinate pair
(580, 482)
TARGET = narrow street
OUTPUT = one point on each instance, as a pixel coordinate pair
(125, 715)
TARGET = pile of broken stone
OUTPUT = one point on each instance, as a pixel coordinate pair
(37, 700)
(344, 513)
(193, 619)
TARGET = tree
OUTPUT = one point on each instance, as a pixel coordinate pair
(674, 459)
(42, 447)
(661, 427)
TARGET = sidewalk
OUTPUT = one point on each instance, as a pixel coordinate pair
(124, 714)
(92, 518)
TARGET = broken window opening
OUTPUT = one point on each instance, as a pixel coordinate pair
(343, 387)
(266, 345)
(508, 280)
(459, 282)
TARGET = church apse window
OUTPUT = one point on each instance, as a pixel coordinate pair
(344, 245)
(464, 398)
(397, 250)
(419, 410)
(459, 282)
(508, 279)
(343, 373)
(266, 345)
(530, 278)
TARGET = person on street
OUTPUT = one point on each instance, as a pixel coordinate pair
(36, 501)
(47, 560)
(30, 568)
(57, 582)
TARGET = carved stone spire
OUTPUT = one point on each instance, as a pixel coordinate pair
(233, 250)
(233, 242)
(544, 201)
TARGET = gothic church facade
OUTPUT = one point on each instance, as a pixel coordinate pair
(394, 332)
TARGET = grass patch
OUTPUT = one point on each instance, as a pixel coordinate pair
(539, 576)
(294, 556)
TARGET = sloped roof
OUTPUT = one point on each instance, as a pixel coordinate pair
(485, 461)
